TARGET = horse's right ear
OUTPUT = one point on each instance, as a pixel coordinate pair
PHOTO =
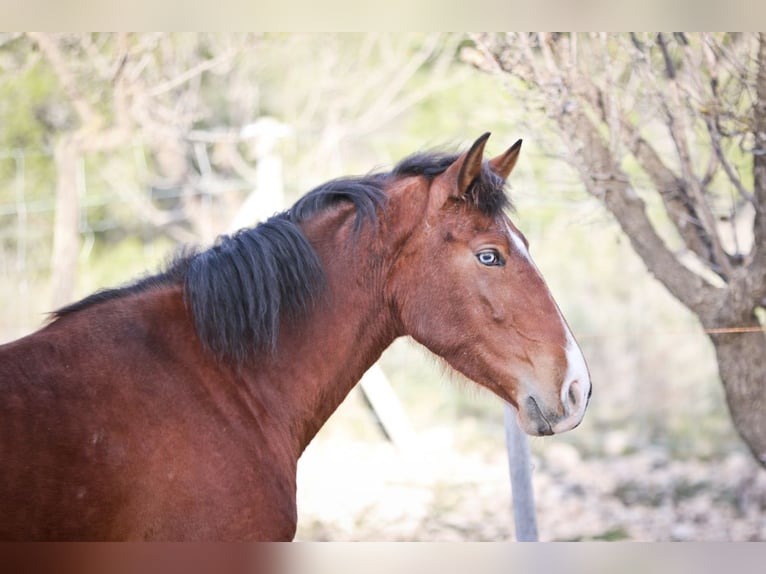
(466, 168)
(503, 164)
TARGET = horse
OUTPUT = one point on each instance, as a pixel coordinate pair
(176, 407)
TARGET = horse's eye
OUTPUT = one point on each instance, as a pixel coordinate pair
(489, 258)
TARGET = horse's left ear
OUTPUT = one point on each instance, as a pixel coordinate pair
(503, 164)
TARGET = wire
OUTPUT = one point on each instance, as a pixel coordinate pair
(713, 331)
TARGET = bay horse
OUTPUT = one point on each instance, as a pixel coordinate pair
(176, 407)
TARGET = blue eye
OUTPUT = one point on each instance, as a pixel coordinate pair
(490, 258)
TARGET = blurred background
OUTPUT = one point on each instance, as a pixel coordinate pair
(116, 149)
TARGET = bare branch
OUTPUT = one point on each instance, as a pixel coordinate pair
(394, 84)
(612, 112)
(670, 68)
(120, 59)
(191, 73)
(712, 169)
(551, 64)
(538, 76)
(675, 116)
(673, 190)
(95, 56)
(757, 266)
(710, 111)
(169, 221)
(600, 171)
(716, 143)
(395, 100)
(53, 54)
(590, 155)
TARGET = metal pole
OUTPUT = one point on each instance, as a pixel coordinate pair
(520, 466)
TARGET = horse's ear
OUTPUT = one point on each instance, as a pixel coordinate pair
(467, 167)
(503, 164)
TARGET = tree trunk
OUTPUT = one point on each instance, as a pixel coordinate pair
(741, 355)
(742, 367)
(66, 233)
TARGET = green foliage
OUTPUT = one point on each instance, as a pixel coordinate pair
(26, 98)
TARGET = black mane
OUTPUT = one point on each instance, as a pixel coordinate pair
(239, 289)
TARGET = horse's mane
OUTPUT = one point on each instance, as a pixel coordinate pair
(240, 288)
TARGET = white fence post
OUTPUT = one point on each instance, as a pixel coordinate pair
(520, 466)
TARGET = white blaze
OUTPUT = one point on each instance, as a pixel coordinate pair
(577, 371)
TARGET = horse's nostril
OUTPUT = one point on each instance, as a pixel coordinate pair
(573, 397)
(590, 392)
(572, 394)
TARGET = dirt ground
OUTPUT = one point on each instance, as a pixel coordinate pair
(368, 490)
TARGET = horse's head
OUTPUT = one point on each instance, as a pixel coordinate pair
(465, 286)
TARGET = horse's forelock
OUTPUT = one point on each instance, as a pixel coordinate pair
(487, 192)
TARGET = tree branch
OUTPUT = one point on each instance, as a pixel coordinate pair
(685, 200)
(49, 47)
(711, 111)
(190, 74)
(716, 143)
(605, 180)
(757, 266)
(673, 190)
(718, 258)
(670, 69)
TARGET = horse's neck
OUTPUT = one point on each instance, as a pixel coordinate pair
(320, 359)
